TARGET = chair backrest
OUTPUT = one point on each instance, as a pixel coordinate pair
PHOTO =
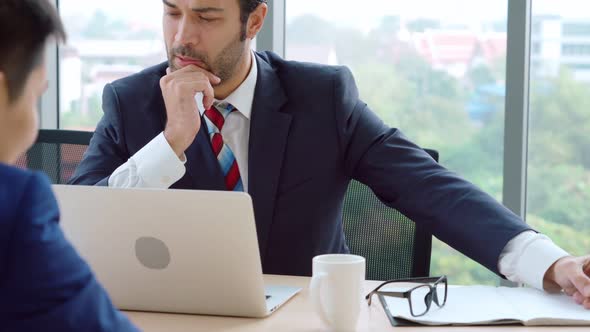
(57, 153)
(393, 245)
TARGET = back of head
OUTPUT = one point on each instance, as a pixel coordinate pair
(25, 27)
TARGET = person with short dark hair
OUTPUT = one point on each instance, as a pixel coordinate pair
(44, 284)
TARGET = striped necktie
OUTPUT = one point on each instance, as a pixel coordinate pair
(215, 119)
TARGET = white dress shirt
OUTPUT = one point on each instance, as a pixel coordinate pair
(525, 259)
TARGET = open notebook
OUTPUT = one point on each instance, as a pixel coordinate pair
(483, 305)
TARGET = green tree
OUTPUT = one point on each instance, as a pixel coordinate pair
(559, 149)
(76, 119)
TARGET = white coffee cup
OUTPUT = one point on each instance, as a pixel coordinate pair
(336, 289)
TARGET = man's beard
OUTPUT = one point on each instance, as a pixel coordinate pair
(224, 66)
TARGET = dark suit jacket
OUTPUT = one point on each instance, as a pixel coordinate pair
(44, 284)
(310, 134)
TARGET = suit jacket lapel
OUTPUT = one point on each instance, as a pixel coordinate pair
(269, 129)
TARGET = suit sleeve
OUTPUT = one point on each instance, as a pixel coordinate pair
(50, 286)
(107, 150)
(406, 178)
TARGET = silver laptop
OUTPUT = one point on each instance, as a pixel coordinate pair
(181, 251)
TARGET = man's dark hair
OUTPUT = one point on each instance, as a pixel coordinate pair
(246, 8)
(25, 26)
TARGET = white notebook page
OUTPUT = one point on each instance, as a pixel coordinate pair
(496, 305)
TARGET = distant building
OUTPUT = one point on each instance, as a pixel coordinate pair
(455, 51)
(87, 65)
(557, 42)
(140, 52)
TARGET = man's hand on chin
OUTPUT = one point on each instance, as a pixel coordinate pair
(572, 275)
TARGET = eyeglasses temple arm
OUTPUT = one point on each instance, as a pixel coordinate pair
(400, 295)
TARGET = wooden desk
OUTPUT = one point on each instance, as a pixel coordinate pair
(298, 315)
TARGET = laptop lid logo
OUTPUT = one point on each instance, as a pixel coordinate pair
(152, 253)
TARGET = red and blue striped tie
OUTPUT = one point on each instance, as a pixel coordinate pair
(215, 119)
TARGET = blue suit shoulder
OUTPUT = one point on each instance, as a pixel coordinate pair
(314, 89)
(298, 79)
(15, 179)
(307, 78)
(44, 284)
(19, 190)
(141, 84)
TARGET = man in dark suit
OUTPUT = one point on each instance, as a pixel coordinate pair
(293, 135)
(44, 284)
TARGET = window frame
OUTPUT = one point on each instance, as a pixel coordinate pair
(49, 103)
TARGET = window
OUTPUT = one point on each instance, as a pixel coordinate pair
(576, 29)
(107, 40)
(429, 69)
(575, 49)
(536, 48)
(559, 144)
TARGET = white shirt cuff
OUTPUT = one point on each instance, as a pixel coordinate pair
(527, 257)
(154, 166)
(157, 164)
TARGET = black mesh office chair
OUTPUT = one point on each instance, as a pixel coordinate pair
(393, 245)
(57, 153)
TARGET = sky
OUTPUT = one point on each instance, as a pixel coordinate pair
(353, 13)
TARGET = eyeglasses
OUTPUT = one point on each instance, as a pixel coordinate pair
(420, 297)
